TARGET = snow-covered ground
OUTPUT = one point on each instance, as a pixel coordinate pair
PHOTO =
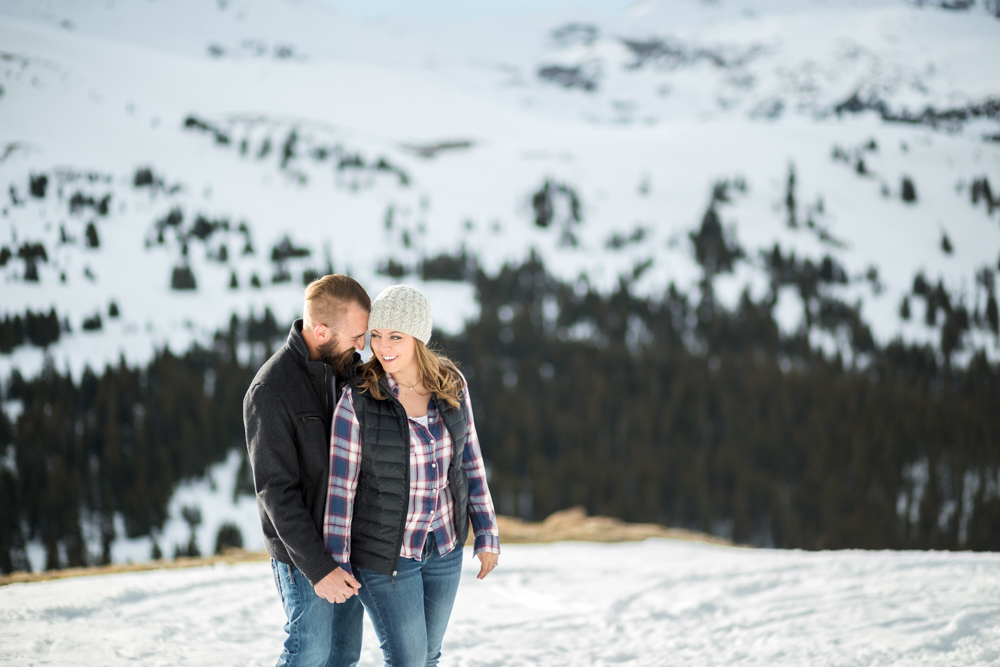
(654, 603)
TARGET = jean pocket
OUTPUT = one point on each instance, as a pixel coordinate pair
(277, 580)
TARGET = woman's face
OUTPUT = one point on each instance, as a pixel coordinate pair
(395, 351)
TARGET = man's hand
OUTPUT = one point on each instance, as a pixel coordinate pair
(337, 586)
(489, 561)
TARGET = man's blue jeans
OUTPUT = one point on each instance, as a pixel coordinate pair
(320, 633)
(411, 618)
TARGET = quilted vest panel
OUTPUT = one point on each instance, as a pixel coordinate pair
(383, 492)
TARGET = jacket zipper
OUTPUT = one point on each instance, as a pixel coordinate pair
(327, 387)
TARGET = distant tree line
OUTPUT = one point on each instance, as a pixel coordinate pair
(43, 329)
(659, 409)
(668, 408)
(38, 329)
(296, 149)
(117, 443)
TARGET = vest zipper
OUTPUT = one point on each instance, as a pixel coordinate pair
(406, 485)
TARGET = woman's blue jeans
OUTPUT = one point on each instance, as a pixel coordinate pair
(320, 633)
(411, 618)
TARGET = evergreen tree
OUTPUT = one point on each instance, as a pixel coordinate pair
(192, 517)
(228, 537)
(39, 184)
(992, 316)
(183, 278)
(93, 323)
(93, 241)
(946, 246)
(42, 330)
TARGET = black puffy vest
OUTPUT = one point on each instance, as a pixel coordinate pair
(383, 492)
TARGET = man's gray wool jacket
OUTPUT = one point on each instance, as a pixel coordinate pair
(287, 413)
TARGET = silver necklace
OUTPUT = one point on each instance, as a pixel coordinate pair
(411, 389)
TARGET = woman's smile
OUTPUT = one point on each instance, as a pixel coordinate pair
(395, 351)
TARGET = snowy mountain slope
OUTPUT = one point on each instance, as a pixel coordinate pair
(771, 61)
(755, 53)
(371, 178)
(651, 603)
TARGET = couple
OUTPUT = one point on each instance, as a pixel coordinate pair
(367, 475)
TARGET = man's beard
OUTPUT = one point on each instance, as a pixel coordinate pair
(341, 361)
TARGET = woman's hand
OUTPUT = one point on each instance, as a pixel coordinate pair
(489, 561)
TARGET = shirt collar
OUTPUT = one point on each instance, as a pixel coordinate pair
(394, 388)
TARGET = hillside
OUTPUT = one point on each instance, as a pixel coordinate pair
(228, 168)
(747, 212)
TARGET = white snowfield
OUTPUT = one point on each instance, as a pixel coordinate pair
(659, 602)
(639, 114)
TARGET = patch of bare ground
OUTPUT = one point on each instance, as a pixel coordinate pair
(569, 525)
(573, 524)
(231, 556)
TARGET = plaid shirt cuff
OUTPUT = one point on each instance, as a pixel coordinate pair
(486, 542)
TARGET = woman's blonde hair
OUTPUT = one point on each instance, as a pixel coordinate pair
(438, 373)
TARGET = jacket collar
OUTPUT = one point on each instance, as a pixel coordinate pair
(297, 344)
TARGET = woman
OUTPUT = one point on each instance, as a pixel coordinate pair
(406, 477)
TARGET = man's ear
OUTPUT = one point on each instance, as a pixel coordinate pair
(313, 329)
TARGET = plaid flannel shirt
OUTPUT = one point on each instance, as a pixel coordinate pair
(431, 505)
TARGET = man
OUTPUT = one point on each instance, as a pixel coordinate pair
(287, 412)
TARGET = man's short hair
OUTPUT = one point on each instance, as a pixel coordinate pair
(328, 298)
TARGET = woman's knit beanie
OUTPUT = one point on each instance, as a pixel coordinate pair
(404, 309)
